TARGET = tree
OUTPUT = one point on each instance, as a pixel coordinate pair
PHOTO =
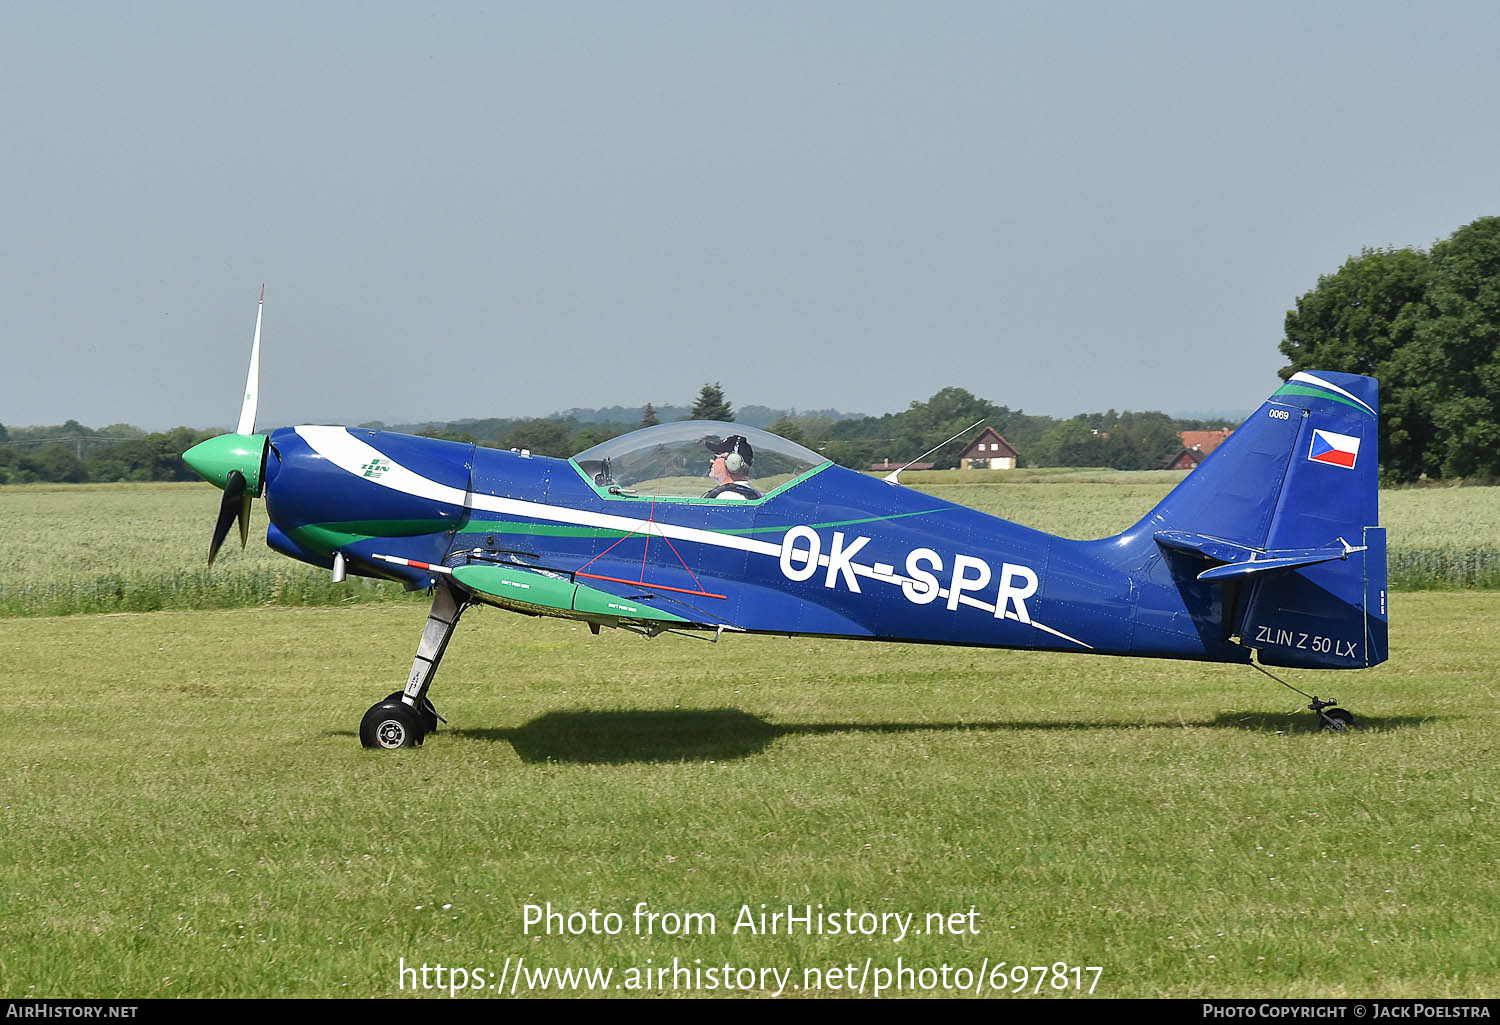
(1357, 317)
(649, 417)
(712, 405)
(1140, 441)
(1453, 369)
(1356, 321)
(543, 437)
(925, 424)
(1428, 326)
(589, 435)
(1074, 442)
(58, 462)
(447, 433)
(786, 427)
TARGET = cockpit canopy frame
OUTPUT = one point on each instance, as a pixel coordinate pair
(671, 462)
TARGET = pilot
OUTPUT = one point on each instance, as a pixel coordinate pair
(730, 469)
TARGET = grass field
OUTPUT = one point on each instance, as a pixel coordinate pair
(80, 548)
(187, 810)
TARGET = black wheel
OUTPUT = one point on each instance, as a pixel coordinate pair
(391, 724)
(1336, 719)
(425, 711)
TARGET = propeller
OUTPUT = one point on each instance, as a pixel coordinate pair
(252, 379)
(235, 505)
(236, 462)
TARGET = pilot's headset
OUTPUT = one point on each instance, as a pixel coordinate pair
(733, 461)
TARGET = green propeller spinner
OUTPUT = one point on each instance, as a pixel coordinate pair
(215, 459)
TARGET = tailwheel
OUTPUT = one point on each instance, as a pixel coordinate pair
(390, 725)
(1335, 719)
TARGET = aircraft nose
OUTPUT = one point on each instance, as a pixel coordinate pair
(216, 458)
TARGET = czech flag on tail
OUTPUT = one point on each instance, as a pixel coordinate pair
(1335, 449)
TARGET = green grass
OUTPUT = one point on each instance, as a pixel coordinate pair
(188, 812)
(81, 548)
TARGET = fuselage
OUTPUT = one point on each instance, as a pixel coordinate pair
(836, 553)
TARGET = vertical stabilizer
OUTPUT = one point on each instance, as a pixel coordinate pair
(1297, 481)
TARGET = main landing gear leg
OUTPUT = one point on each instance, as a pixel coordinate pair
(1329, 717)
(406, 717)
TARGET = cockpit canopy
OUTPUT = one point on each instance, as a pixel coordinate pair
(673, 460)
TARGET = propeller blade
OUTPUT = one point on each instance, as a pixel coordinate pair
(252, 380)
(244, 520)
(229, 508)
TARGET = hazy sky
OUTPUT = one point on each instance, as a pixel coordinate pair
(507, 209)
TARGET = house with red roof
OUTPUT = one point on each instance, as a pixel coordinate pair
(1196, 446)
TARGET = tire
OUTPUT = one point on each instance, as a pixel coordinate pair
(1336, 719)
(390, 725)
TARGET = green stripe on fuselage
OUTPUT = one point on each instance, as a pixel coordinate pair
(327, 538)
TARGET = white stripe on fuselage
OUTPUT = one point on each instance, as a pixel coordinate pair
(351, 454)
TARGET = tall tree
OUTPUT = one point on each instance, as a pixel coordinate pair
(1357, 320)
(1357, 317)
(1454, 364)
(1428, 326)
(649, 417)
(712, 405)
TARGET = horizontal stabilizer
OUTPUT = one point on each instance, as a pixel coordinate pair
(1242, 561)
(1273, 562)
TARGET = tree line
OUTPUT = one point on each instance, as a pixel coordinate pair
(77, 454)
(1127, 441)
(1120, 440)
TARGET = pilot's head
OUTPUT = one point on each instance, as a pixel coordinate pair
(732, 458)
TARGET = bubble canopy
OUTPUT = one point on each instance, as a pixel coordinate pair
(674, 460)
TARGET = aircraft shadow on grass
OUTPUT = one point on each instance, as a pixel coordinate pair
(724, 734)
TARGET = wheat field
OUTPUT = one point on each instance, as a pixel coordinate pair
(87, 548)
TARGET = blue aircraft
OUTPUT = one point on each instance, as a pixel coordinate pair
(1267, 554)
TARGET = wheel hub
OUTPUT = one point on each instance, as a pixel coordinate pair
(391, 733)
